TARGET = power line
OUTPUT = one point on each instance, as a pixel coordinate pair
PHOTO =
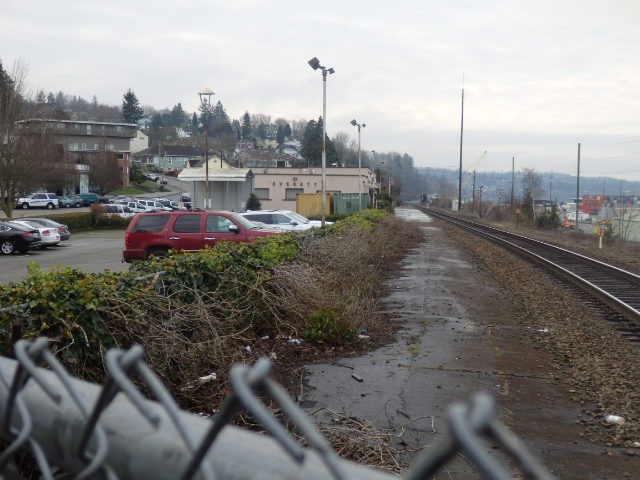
(613, 156)
(612, 144)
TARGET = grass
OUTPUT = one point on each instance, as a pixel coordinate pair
(137, 189)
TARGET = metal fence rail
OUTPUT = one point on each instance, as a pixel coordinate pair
(112, 431)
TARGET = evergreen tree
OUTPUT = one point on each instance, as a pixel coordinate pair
(177, 116)
(287, 131)
(51, 100)
(131, 109)
(253, 202)
(41, 99)
(246, 125)
(312, 145)
(195, 130)
(219, 123)
(280, 135)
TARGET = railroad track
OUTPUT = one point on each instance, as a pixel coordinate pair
(616, 291)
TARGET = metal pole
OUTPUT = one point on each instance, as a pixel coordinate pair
(207, 203)
(578, 187)
(359, 174)
(460, 172)
(473, 194)
(139, 449)
(513, 163)
(324, 144)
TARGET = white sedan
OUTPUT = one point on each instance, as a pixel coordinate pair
(50, 236)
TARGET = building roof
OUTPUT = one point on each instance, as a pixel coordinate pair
(219, 171)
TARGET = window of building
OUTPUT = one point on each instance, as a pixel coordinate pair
(118, 128)
(88, 129)
(76, 126)
(95, 146)
(261, 193)
(84, 146)
(290, 193)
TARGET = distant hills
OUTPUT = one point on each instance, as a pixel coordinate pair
(558, 187)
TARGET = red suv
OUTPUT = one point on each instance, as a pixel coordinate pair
(157, 233)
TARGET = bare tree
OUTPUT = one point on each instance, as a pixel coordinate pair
(531, 183)
(341, 142)
(19, 172)
(625, 218)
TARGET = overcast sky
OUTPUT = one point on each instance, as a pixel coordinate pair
(539, 76)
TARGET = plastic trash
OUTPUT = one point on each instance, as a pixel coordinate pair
(614, 419)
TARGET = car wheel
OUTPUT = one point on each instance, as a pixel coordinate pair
(78, 205)
(7, 247)
(158, 252)
(25, 206)
(49, 206)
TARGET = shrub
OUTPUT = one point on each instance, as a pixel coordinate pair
(253, 202)
(328, 328)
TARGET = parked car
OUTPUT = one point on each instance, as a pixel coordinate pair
(172, 204)
(157, 233)
(185, 197)
(282, 219)
(154, 205)
(89, 199)
(14, 237)
(38, 200)
(62, 228)
(117, 209)
(152, 176)
(49, 236)
(134, 206)
(70, 201)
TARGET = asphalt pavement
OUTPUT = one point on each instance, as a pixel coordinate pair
(94, 252)
(457, 337)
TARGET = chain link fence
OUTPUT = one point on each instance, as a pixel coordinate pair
(64, 427)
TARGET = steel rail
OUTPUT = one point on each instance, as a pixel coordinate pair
(613, 286)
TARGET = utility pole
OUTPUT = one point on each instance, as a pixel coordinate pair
(473, 194)
(513, 163)
(461, 130)
(578, 188)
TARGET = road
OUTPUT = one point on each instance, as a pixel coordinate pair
(87, 251)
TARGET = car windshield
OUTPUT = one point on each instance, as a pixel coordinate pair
(245, 222)
(299, 218)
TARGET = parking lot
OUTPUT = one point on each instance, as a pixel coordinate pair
(88, 251)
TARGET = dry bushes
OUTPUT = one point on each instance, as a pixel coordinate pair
(290, 297)
(270, 310)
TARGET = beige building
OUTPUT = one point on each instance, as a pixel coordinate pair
(277, 187)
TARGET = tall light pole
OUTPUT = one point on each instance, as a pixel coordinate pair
(315, 64)
(356, 124)
(205, 104)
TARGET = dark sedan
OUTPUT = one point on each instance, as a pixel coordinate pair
(15, 237)
(62, 229)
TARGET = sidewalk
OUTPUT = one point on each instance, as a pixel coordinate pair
(457, 339)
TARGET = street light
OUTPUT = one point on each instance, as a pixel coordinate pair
(356, 124)
(315, 64)
(205, 104)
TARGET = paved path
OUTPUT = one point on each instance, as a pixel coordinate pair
(458, 339)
